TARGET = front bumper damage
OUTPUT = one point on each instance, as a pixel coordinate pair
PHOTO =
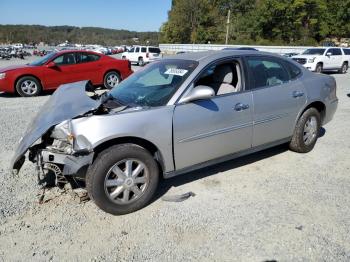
(71, 164)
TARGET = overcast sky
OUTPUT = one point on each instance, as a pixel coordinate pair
(136, 15)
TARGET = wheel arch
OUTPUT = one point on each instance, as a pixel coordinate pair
(31, 75)
(320, 106)
(146, 144)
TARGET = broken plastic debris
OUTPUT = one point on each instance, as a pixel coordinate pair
(178, 198)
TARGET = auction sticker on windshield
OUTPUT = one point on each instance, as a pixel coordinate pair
(176, 71)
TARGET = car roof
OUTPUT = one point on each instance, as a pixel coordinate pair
(77, 51)
(211, 55)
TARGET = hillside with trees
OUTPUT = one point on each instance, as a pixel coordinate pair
(296, 22)
(53, 35)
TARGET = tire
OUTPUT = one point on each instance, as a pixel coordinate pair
(141, 62)
(111, 79)
(344, 68)
(28, 86)
(319, 68)
(310, 118)
(110, 189)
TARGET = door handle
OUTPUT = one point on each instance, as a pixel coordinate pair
(297, 94)
(241, 107)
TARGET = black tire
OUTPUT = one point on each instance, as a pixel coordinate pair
(319, 68)
(34, 91)
(141, 62)
(107, 82)
(344, 68)
(98, 171)
(297, 143)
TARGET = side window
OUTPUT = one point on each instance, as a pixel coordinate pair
(132, 50)
(86, 57)
(143, 49)
(137, 49)
(65, 59)
(224, 78)
(267, 72)
(92, 57)
(346, 51)
(293, 70)
(335, 51)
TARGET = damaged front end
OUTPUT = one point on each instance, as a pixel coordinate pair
(50, 139)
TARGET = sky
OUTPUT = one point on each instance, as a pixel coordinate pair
(134, 15)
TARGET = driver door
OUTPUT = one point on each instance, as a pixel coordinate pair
(209, 129)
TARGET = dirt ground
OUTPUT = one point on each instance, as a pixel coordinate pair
(272, 205)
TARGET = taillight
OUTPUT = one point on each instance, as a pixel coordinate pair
(147, 55)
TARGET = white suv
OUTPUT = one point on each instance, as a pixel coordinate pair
(324, 59)
(142, 54)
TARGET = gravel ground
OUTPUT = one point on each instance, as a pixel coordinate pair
(272, 205)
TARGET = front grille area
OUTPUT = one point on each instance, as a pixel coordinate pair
(300, 60)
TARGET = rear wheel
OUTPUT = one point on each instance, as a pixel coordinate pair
(112, 79)
(306, 131)
(344, 68)
(141, 62)
(28, 86)
(122, 179)
(319, 68)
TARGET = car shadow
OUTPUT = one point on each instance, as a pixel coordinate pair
(166, 184)
(13, 95)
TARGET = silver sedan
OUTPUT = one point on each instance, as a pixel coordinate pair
(175, 115)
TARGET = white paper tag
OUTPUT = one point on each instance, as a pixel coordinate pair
(176, 71)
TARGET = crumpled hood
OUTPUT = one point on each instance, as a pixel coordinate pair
(67, 102)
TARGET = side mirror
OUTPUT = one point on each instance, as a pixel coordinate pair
(198, 93)
(51, 64)
(328, 54)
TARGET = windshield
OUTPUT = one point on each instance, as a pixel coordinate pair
(155, 84)
(42, 60)
(314, 51)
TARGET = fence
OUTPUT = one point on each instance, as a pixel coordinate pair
(174, 48)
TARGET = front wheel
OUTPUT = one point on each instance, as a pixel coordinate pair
(111, 79)
(122, 179)
(306, 131)
(28, 86)
(319, 68)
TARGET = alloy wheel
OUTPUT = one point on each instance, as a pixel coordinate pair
(310, 130)
(112, 80)
(126, 181)
(29, 87)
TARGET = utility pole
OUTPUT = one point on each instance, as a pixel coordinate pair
(227, 25)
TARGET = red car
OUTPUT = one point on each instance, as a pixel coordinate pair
(55, 69)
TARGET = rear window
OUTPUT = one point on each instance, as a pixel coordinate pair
(346, 51)
(154, 50)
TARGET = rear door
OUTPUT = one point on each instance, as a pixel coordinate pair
(278, 97)
(205, 130)
(336, 57)
(89, 67)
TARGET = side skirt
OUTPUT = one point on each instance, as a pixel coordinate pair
(225, 158)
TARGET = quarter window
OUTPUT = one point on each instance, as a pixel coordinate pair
(267, 72)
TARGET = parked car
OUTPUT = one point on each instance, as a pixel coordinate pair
(324, 59)
(142, 54)
(290, 54)
(177, 114)
(63, 67)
